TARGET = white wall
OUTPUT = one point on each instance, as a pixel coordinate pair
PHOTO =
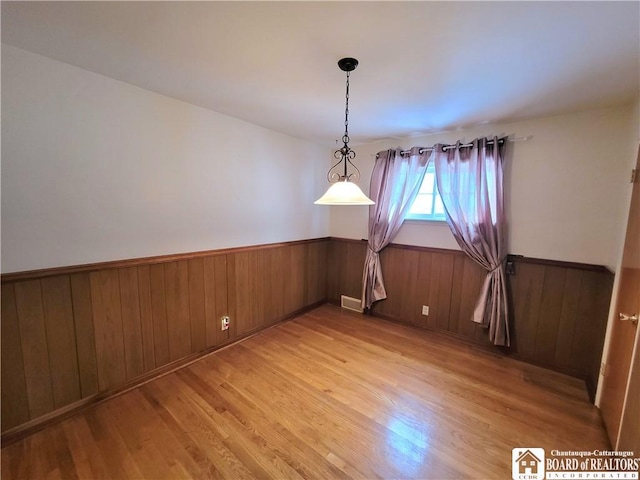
(94, 169)
(566, 187)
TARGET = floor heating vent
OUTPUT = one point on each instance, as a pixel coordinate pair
(350, 303)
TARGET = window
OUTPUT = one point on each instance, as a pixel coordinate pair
(428, 204)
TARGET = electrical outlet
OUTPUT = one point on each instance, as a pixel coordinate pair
(425, 310)
(224, 323)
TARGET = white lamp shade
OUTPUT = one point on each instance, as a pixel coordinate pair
(344, 192)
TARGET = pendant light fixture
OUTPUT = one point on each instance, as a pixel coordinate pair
(343, 190)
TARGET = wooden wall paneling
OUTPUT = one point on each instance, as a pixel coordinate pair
(279, 286)
(452, 324)
(146, 318)
(248, 299)
(287, 285)
(391, 261)
(212, 320)
(232, 293)
(35, 353)
(85, 337)
(340, 272)
(349, 265)
(437, 308)
(222, 295)
(316, 273)
(73, 333)
(197, 305)
(215, 297)
(70, 335)
(107, 325)
(512, 287)
(356, 254)
(239, 293)
(293, 264)
(400, 272)
(61, 339)
(159, 314)
(424, 286)
(553, 286)
(588, 338)
(269, 285)
(447, 294)
(311, 273)
(582, 345)
(548, 300)
(527, 296)
(305, 267)
(131, 321)
(15, 407)
(262, 289)
(176, 277)
(323, 267)
(333, 272)
(410, 307)
(255, 293)
(346, 273)
(568, 318)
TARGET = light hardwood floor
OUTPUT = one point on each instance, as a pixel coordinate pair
(329, 394)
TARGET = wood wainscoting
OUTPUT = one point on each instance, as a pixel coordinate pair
(559, 309)
(71, 336)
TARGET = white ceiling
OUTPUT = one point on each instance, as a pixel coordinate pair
(424, 66)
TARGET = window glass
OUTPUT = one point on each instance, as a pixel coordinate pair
(428, 204)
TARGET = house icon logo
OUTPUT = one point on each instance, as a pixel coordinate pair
(527, 463)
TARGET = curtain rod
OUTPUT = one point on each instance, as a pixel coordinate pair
(466, 145)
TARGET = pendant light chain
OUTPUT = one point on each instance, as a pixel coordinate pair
(345, 138)
(345, 150)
